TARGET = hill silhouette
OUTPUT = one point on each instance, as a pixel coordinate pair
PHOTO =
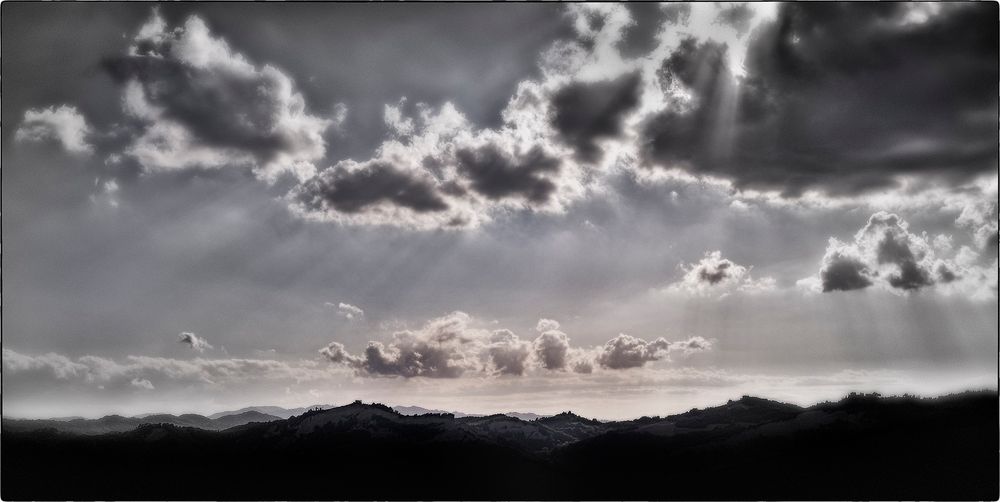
(117, 423)
(861, 447)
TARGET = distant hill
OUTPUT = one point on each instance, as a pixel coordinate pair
(417, 410)
(276, 411)
(861, 447)
(116, 423)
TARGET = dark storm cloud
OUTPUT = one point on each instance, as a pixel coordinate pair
(896, 249)
(738, 16)
(639, 37)
(354, 190)
(675, 13)
(588, 112)
(496, 174)
(838, 97)
(844, 273)
(945, 274)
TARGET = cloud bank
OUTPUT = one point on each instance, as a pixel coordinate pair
(451, 347)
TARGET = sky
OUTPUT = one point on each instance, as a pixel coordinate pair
(619, 210)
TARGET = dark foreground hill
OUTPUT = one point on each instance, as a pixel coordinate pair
(862, 447)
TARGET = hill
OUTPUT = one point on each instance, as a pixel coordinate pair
(117, 423)
(861, 447)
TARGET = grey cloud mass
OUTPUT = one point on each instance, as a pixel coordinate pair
(354, 189)
(192, 91)
(815, 110)
(843, 272)
(495, 174)
(624, 351)
(585, 113)
(552, 349)
(647, 20)
(508, 354)
(738, 16)
(885, 252)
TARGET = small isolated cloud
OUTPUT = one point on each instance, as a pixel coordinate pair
(196, 342)
(886, 254)
(64, 125)
(348, 311)
(142, 383)
(450, 347)
(716, 276)
(624, 351)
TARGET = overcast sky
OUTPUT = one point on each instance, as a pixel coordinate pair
(613, 209)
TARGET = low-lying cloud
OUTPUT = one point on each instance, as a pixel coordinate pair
(148, 373)
(451, 347)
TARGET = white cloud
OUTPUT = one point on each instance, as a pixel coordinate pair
(546, 325)
(196, 342)
(348, 311)
(64, 125)
(886, 254)
(715, 276)
(142, 383)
